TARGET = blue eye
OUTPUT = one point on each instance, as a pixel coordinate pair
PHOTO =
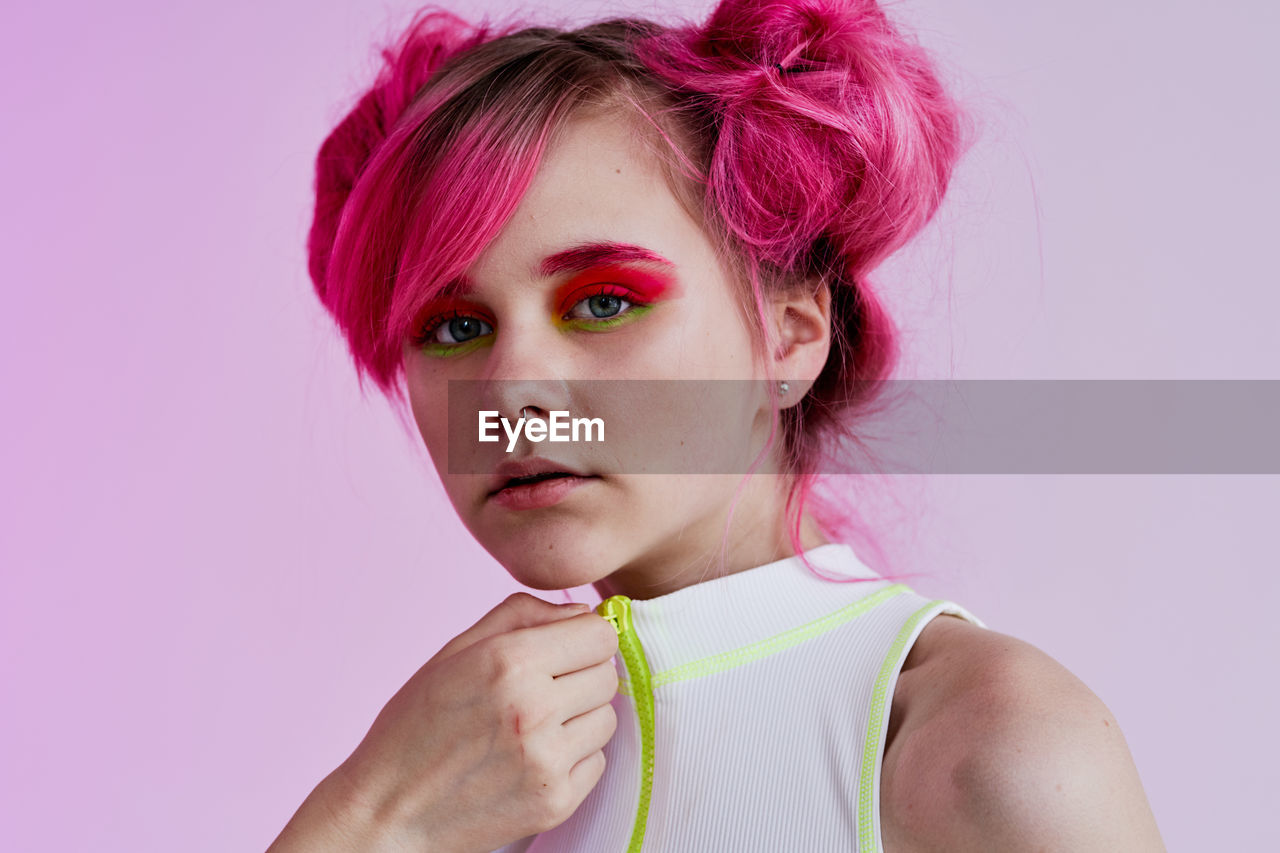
(599, 307)
(452, 333)
(459, 329)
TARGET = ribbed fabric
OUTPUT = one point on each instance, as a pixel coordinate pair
(772, 690)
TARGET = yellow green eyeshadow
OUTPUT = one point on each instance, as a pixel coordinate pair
(604, 324)
(436, 349)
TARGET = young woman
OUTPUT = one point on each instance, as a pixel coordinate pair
(527, 212)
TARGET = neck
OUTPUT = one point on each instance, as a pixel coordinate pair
(717, 546)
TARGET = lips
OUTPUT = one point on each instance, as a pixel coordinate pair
(528, 472)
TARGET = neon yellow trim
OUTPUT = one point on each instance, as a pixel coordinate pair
(764, 648)
(777, 643)
(871, 749)
(617, 609)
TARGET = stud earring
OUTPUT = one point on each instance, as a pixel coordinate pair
(783, 387)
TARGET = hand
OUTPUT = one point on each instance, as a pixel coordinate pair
(497, 737)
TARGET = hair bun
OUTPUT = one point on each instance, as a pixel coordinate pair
(831, 125)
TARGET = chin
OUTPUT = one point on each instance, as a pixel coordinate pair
(551, 572)
(545, 561)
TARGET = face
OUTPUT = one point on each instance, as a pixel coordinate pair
(668, 311)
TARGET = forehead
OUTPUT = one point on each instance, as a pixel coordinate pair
(596, 183)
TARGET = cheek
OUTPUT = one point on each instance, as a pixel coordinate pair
(702, 338)
(736, 353)
(674, 502)
(426, 399)
(724, 345)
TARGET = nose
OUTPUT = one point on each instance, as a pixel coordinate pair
(527, 368)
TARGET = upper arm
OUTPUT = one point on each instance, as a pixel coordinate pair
(1016, 753)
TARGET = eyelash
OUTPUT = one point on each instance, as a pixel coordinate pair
(424, 339)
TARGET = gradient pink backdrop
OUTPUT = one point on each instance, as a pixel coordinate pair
(219, 562)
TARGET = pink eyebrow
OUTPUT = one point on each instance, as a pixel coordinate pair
(583, 256)
(588, 255)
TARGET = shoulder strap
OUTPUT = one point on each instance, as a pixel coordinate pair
(912, 613)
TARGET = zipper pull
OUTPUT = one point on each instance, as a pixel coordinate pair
(616, 610)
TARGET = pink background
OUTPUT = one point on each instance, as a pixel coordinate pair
(219, 562)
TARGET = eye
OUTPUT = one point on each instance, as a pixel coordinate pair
(459, 329)
(446, 333)
(601, 306)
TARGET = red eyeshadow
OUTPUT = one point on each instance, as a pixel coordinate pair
(646, 286)
(446, 304)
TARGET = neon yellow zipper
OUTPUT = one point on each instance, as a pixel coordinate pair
(617, 609)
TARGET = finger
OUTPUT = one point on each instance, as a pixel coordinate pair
(517, 611)
(569, 645)
(586, 689)
(586, 773)
(586, 733)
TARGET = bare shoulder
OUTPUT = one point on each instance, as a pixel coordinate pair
(994, 745)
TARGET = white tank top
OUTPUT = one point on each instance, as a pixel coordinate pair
(752, 711)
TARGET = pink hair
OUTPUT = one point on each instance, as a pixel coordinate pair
(811, 138)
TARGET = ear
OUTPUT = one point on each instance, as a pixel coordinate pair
(802, 331)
